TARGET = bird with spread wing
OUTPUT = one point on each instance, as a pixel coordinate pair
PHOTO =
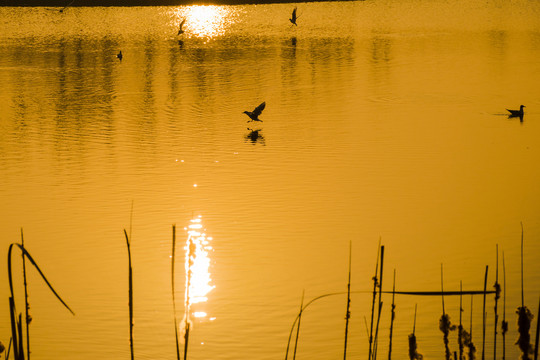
(180, 30)
(293, 17)
(254, 115)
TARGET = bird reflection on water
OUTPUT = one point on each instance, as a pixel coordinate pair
(255, 136)
(293, 41)
(516, 113)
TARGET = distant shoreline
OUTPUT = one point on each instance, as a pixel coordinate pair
(121, 3)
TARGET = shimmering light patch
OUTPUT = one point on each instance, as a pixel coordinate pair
(197, 265)
(207, 20)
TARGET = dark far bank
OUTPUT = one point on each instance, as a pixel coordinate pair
(81, 3)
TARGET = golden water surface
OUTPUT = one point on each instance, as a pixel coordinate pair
(384, 121)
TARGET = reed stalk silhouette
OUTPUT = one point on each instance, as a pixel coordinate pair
(460, 327)
(3, 349)
(484, 316)
(524, 324)
(130, 294)
(375, 284)
(347, 312)
(191, 247)
(444, 323)
(28, 318)
(472, 348)
(413, 347)
(173, 292)
(16, 319)
(298, 326)
(6, 352)
(497, 287)
(298, 317)
(504, 323)
(9, 348)
(537, 333)
(379, 311)
(392, 316)
(524, 318)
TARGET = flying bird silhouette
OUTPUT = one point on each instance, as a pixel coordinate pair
(293, 17)
(515, 113)
(254, 115)
(180, 31)
(119, 55)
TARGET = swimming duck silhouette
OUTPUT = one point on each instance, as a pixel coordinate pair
(119, 55)
(254, 115)
(516, 113)
(293, 17)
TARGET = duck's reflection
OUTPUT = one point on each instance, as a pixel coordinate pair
(255, 136)
(512, 116)
(516, 113)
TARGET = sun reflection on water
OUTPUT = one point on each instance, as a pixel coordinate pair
(204, 20)
(197, 265)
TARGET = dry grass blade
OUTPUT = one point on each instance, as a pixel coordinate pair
(33, 262)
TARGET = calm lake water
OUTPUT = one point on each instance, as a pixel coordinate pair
(385, 120)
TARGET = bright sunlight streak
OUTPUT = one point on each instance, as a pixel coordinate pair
(205, 20)
(197, 266)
